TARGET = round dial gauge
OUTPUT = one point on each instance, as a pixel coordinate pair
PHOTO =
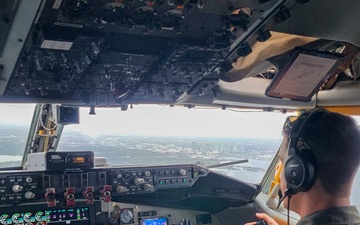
(27, 217)
(3, 218)
(39, 216)
(126, 216)
(15, 218)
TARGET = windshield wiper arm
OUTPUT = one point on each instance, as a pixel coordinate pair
(228, 163)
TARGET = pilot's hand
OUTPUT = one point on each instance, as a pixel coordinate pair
(265, 217)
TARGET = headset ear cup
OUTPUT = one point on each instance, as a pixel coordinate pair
(299, 172)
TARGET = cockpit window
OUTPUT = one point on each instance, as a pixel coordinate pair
(159, 135)
(15, 121)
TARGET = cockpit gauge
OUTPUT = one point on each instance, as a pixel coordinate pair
(39, 216)
(15, 217)
(3, 218)
(27, 217)
(126, 216)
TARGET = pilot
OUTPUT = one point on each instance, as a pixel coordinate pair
(321, 152)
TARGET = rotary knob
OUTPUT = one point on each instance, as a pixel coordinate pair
(120, 189)
(17, 188)
(29, 195)
(139, 181)
(70, 196)
(182, 172)
(29, 180)
(147, 173)
(202, 171)
(148, 187)
(119, 176)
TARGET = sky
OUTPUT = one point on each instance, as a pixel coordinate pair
(16, 113)
(155, 120)
(181, 121)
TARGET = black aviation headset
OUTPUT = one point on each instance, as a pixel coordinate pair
(300, 167)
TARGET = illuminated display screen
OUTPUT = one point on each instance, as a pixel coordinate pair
(78, 160)
(155, 221)
(53, 216)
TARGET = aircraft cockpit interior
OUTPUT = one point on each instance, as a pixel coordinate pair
(273, 56)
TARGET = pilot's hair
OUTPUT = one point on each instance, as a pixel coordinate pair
(334, 139)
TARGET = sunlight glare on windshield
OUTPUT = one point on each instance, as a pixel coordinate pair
(16, 113)
(15, 121)
(153, 120)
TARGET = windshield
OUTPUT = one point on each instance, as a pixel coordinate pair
(157, 135)
(15, 122)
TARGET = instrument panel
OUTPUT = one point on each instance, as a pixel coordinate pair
(93, 196)
(104, 184)
(78, 215)
(65, 187)
(111, 213)
(120, 52)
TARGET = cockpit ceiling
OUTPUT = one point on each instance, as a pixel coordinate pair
(331, 20)
(115, 53)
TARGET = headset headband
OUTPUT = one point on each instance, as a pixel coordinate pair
(298, 129)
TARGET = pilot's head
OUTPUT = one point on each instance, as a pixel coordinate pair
(321, 152)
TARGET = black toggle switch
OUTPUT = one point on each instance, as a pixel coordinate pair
(244, 50)
(263, 36)
(282, 15)
(226, 67)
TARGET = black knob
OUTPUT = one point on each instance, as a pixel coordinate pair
(50, 197)
(107, 194)
(261, 222)
(70, 197)
(282, 15)
(264, 35)
(89, 195)
(244, 50)
(226, 67)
